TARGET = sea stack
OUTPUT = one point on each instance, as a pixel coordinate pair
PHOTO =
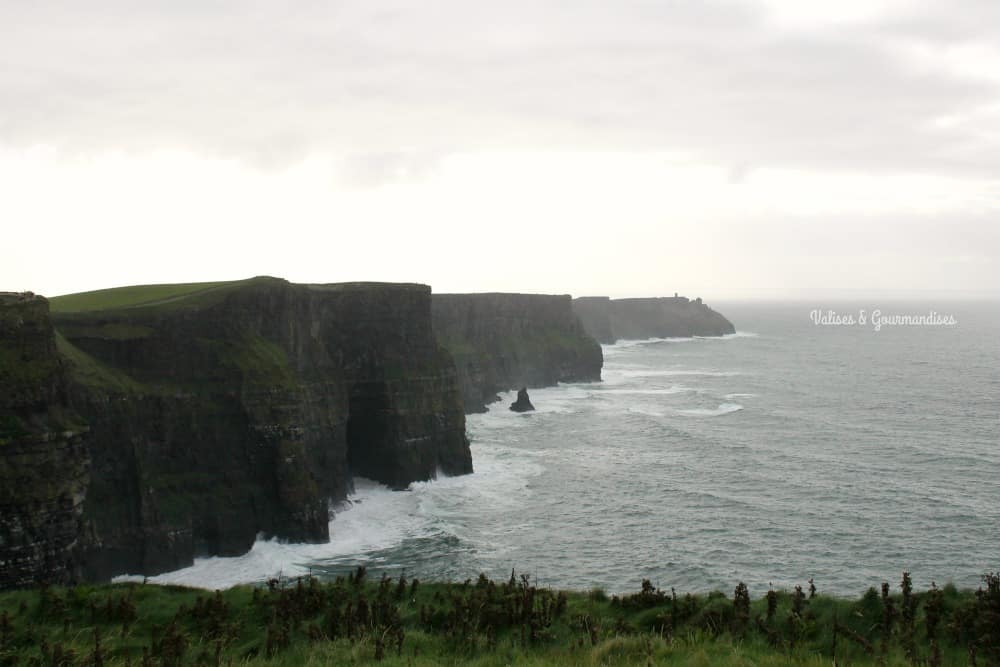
(504, 341)
(523, 403)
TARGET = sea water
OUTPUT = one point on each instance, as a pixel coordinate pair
(795, 449)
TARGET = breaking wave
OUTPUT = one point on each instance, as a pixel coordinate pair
(723, 409)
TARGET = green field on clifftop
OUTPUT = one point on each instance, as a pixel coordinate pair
(356, 621)
(152, 296)
(126, 297)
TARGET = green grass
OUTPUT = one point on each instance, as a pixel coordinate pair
(91, 372)
(184, 294)
(355, 621)
(255, 358)
(127, 297)
(155, 297)
(133, 314)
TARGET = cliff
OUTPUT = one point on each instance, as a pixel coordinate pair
(594, 313)
(507, 341)
(220, 411)
(43, 453)
(608, 320)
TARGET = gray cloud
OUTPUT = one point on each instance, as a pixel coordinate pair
(393, 85)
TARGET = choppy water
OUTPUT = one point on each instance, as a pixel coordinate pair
(781, 453)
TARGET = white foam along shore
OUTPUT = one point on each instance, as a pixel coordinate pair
(364, 525)
(620, 346)
(376, 518)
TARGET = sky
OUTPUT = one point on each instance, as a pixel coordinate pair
(718, 148)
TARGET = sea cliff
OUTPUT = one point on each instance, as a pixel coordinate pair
(44, 460)
(507, 341)
(217, 412)
(608, 320)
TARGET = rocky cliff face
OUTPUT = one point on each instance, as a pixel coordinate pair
(506, 341)
(43, 454)
(609, 320)
(246, 408)
(594, 313)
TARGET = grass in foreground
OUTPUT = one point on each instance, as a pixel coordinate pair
(400, 622)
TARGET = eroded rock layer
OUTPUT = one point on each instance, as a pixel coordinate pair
(507, 341)
(43, 454)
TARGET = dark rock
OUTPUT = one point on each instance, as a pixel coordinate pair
(505, 341)
(523, 403)
(594, 313)
(235, 410)
(609, 320)
(44, 461)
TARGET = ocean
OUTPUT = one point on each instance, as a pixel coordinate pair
(790, 450)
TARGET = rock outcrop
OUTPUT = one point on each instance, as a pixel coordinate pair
(505, 341)
(44, 458)
(608, 320)
(219, 412)
(523, 402)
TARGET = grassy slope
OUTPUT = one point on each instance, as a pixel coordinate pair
(183, 294)
(92, 373)
(129, 297)
(117, 312)
(449, 624)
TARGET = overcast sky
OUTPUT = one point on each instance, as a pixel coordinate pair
(620, 147)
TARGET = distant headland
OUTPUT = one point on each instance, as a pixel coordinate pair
(609, 320)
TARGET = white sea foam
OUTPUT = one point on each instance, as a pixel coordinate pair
(738, 334)
(613, 376)
(723, 409)
(370, 522)
(624, 345)
(376, 518)
(731, 396)
(676, 389)
(676, 372)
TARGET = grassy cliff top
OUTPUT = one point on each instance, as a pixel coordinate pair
(180, 295)
(144, 295)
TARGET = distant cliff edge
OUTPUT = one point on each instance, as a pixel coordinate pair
(608, 320)
(153, 424)
(508, 341)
